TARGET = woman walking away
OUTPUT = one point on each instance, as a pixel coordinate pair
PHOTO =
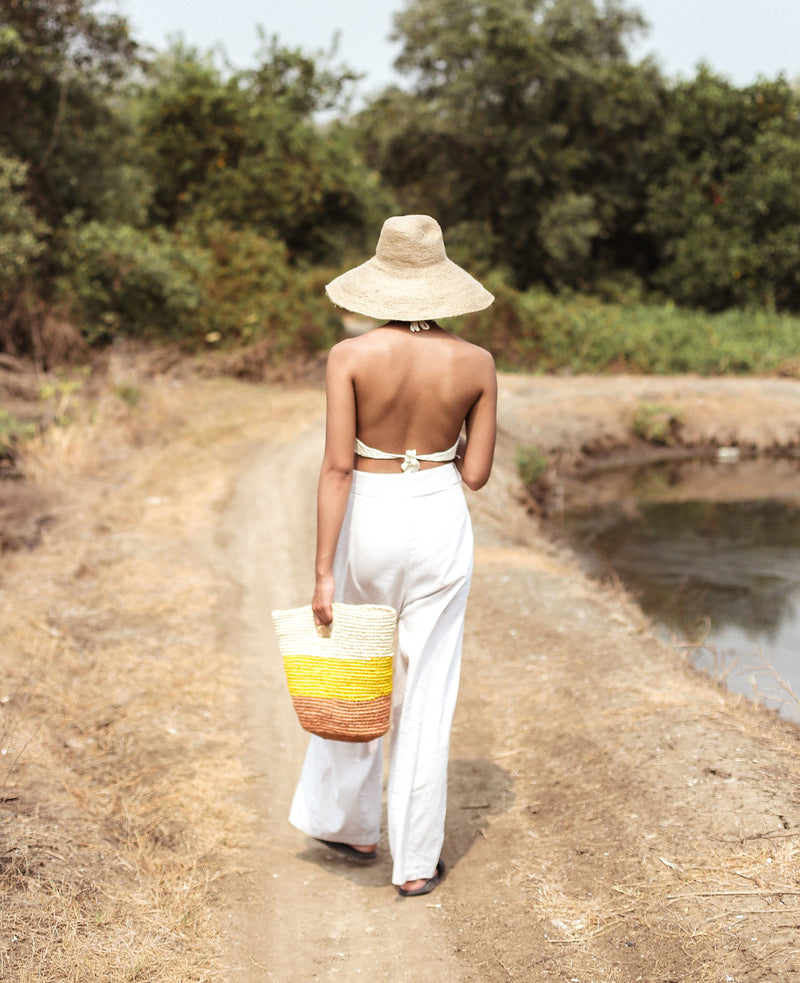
(393, 528)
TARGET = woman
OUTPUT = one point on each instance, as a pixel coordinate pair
(393, 528)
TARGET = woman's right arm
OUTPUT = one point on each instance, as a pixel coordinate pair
(475, 464)
(336, 475)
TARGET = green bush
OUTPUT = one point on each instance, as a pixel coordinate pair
(251, 293)
(119, 280)
(213, 285)
(656, 422)
(536, 331)
(12, 431)
(58, 393)
(20, 231)
(532, 464)
(129, 393)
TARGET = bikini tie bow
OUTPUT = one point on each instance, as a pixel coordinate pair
(410, 461)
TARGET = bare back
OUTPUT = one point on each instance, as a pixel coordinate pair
(398, 390)
(414, 389)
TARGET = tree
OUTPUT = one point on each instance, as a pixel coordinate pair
(20, 231)
(60, 63)
(726, 213)
(245, 149)
(526, 131)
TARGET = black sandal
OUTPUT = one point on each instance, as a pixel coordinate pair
(428, 886)
(348, 851)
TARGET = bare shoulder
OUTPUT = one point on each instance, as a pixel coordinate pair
(344, 354)
(480, 359)
(357, 346)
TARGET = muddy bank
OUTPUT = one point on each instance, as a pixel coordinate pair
(586, 414)
(586, 424)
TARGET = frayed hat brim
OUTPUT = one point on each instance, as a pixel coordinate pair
(410, 277)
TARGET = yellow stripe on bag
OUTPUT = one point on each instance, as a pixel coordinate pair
(339, 679)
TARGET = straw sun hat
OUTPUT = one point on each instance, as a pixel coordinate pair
(409, 278)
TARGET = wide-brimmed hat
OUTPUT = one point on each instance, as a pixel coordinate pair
(410, 277)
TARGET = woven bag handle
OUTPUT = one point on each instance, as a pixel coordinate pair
(359, 630)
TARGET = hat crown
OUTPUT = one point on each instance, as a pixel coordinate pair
(410, 277)
(410, 242)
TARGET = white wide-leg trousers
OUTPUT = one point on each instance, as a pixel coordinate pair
(406, 541)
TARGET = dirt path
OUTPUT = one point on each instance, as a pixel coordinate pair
(309, 916)
(612, 816)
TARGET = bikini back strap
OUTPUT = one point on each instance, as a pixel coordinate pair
(410, 459)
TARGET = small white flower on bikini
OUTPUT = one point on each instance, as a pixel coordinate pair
(419, 325)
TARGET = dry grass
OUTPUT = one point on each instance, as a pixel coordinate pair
(655, 828)
(703, 906)
(118, 761)
(624, 853)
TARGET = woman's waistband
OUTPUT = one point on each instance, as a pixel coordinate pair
(409, 484)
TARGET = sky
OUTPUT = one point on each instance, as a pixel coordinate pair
(740, 39)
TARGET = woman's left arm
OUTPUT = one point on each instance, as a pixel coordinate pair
(477, 452)
(336, 474)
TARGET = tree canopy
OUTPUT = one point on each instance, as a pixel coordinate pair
(531, 133)
(172, 193)
(60, 66)
(516, 127)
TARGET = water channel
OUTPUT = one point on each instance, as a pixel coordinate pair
(710, 549)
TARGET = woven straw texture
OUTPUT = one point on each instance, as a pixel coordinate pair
(340, 678)
(410, 277)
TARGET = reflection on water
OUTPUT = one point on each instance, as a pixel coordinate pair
(711, 552)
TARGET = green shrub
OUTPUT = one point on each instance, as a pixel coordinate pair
(12, 431)
(657, 423)
(536, 331)
(252, 293)
(20, 231)
(119, 280)
(215, 285)
(128, 392)
(532, 464)
(58, 392)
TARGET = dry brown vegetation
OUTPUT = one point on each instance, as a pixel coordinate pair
(613, 816)
(652, 833)
(116, 761)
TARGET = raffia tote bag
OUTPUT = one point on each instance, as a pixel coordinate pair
(340, 676)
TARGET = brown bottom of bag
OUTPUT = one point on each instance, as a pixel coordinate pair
(344, 720)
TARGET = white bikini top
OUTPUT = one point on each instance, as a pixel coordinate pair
(410, 459)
